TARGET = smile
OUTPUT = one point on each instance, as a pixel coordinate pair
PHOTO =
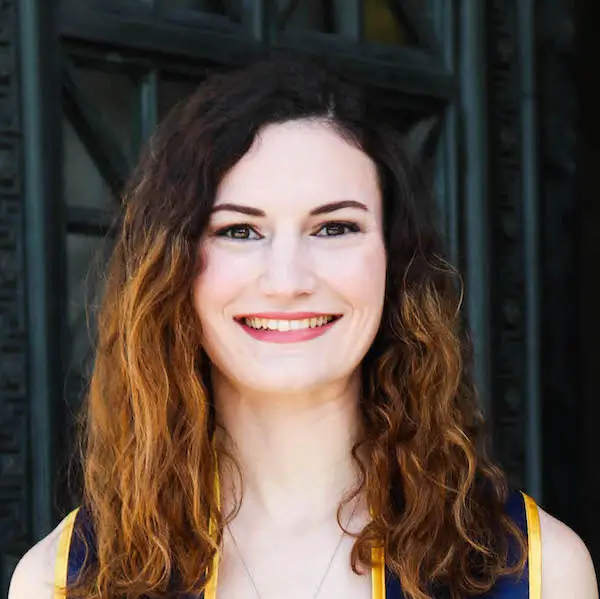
(302, 327)
(287, 325)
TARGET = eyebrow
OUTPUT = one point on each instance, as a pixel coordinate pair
(324, 209)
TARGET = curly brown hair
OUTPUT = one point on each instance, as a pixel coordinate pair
(148, 467)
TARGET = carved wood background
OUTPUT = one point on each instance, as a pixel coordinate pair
(15, 534)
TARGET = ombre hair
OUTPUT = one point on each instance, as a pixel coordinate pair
(148, 461)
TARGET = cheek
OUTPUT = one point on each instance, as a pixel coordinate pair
(360, 276)
(220, 280)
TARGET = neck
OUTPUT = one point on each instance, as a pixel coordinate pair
(294, 451)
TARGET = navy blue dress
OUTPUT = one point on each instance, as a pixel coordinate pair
(520, 507)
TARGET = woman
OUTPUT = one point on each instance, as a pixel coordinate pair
(280, 404)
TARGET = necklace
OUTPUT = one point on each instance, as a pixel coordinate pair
(323, 578)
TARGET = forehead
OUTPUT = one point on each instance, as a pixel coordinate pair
(301, 164)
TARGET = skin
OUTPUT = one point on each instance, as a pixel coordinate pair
(291, 410)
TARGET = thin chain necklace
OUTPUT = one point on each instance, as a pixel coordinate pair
(323, 578)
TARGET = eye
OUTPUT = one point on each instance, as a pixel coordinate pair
(336, 229)
(238, 232)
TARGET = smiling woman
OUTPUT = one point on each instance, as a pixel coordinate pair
(281, 403)
(298, 263)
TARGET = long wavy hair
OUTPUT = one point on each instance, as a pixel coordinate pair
(148, 459)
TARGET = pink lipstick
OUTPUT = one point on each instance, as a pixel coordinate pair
(287, 327)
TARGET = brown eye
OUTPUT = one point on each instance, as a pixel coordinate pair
(335, 229)
(239, 232)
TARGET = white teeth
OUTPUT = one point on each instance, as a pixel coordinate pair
(287, 325)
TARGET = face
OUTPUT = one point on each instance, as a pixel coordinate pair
(291, 292)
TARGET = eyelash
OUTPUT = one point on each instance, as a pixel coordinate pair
(347, 226)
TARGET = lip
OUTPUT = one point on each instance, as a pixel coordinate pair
(294, 336)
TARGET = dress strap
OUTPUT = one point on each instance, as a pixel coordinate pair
(378, 584)
(61, 571)
(534, 538)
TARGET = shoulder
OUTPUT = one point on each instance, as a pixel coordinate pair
(567, 569)
(35, 573)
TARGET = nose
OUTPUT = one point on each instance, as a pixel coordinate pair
(287, 271)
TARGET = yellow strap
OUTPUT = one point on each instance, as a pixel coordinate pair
(61, 568)
(210, 592)
(534, 537)
(378, 573)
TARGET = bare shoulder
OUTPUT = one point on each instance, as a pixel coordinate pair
(34, 575)
(567, 569)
